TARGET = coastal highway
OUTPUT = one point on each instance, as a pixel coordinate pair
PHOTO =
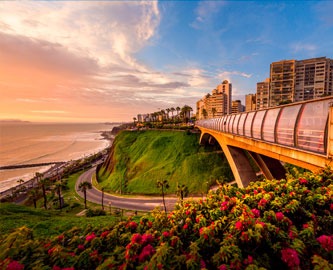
(140, 204)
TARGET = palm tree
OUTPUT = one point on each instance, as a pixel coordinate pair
(134, 119)
(172, 109)
(182, 191)
(168, 110)
(164, 185)
(43, 183)
(33, 195)
(213, 112)
(186, 112)
(59, 185)
(83, 187)
(178, 109)
(103, 188)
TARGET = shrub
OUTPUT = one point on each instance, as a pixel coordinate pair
(277, 224)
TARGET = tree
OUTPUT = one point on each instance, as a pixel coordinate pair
(186, 111)
(59, 185)
(182, 191)
(134, 119)
(172, 109)
(43, 183)
(213, 112)
(83, 187)
(103, 188)
(33, 195)
(168, 111)
(177, 109)
(163, 185)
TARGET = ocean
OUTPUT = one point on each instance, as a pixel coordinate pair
(31, 143)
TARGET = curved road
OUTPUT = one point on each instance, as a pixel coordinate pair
(140, 204)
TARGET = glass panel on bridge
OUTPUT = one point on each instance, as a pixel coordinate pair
(248, 124)
(269, 124)
(235, 124)
(257, 122)
(232, 117)
(311, 127)
(286, 125)
(227, 123)
(241, 124)
(224, 123)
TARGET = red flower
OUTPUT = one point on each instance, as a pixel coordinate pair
(256, 212)
(249, 260)
(51, 250)
(15, 265)
(136, 238)
(146, 252)
(331, 206)
(255, 192)
(68, 268)
(326, 242)
(305, 226)
(223, 267)
(56, 267)
(185, 227)
(290, 257)
(90, 237)
(61, 237)
(262, 202)
(303, 181)
(279, 216)
(104, 234)
(245, 236)
(239, 225)
(188, 212)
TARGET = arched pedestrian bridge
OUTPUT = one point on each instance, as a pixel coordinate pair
(299, 133)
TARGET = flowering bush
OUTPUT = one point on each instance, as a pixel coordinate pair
(277, 224)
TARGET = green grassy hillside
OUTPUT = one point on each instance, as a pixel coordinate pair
(139, 159)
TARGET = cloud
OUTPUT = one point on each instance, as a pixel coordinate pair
(228, 74)
(301, 47)
(205, 11)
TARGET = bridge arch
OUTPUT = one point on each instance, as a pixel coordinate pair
(299, 133)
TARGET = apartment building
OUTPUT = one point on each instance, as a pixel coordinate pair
(313, 78)
(216, 104)
(263, 94)
(250, 102)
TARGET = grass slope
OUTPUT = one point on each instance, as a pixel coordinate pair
(139, 159)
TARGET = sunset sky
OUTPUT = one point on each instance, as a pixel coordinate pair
(85, 61)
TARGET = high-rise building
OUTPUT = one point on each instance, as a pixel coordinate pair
(216, 104)
(313, 78)
(263, 93)
(250, 102)
(282, 82)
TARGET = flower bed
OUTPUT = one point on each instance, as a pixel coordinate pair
(285, 224)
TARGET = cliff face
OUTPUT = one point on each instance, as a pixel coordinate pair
(137, 160)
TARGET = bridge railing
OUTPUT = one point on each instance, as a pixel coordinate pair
(302, 125)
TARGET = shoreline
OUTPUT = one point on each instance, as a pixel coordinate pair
(51, 171)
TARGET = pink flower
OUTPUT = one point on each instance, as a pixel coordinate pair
(303, 181)
(239, 225)
(279, 216)
(326, 242)
(133, 225)
(224, 206)
(223, 267)
(290, 257)
(147, 238)
(256, 212)
(166, 234)
(331, 206)
(249, 260)
(15, 265)
(90, 237)
(56, 267)
(80, 247)
(202, 264)
(68, 268)
(146, 252)
(136, 238)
